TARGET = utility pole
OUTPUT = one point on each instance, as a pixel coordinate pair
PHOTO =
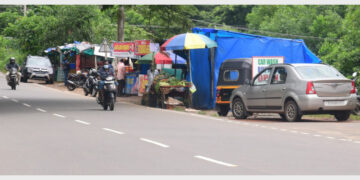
(24, 10)
(121, 22)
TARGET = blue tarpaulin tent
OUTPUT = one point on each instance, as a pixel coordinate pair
(233, 45)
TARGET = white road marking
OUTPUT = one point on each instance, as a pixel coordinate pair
(27, 105)
(283, 130)
(305, 133)
(345, 140)
(294, 132)
(113, 131)
(317, 135)
(82, 122)
(246, 124)
(59, 115)
(15, 100)
(329, 137)
(154, 142)
(274, 128)
(357, 142)
(256, 125)
(5, 97)
(263, 126)
(215, 161)
(41, 110)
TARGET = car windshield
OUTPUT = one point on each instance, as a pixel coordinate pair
(39, 61)
(318, 72)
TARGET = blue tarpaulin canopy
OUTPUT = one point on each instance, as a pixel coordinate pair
(233, 45)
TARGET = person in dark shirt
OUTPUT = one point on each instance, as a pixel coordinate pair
(10, 65)
(66, 67)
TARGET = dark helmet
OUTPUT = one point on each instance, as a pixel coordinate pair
(12, 60)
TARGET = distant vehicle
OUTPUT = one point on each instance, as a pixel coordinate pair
(293, 90)
(13, 78)
(91, 83)
(232, 74)
(37, 67)
(76, 81)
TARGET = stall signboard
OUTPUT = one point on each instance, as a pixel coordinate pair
(143, 81)
(261, 62)
(123, 49)
(142, 47)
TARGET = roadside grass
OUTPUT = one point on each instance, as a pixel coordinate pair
(352, 117)
(202, 112)
(215, 115)
(177, 108)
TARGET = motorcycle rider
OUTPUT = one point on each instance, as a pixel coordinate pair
(104, 72)
(10, 65)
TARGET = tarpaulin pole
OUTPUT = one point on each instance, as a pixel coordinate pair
(190, 67)
(212, 71)
(175, 64)
(78, 62)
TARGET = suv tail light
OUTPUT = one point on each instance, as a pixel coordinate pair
(353, 90)
(310, 88)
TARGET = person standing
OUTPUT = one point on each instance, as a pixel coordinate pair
(66, 67)
(121, 77)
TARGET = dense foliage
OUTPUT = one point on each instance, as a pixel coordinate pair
(331, 32)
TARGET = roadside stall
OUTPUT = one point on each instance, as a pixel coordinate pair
(167, 89)
(188, 41)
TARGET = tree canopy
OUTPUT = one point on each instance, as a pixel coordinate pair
(331, 32)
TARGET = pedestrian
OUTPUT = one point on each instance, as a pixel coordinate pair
(66, 67)
(121, 77)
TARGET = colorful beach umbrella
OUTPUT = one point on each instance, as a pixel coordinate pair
(188, 41)
(168, 57)
(165, 57)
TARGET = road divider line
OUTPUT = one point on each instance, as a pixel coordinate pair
(27, 105)
(59, 115)
(113, 131)
(349, 140)
(5, 97)
(358, 142)
(14, 100)
(263, 126)
(305, 133)
(274, 128)
(329, 137)
(41, 110)
(154, 142)
(317, 135)
(215, 161)
(294, 132)
(82, 122)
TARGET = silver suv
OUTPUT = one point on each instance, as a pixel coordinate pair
(296, 89)
(39, 68)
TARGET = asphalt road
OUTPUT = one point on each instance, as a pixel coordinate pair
(46, 131)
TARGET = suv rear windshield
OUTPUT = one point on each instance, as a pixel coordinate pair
(318, 72)
(38, 61)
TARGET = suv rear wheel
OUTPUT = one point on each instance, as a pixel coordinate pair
(238, 109)
(292, 112)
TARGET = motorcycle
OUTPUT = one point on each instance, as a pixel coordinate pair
(75, 80)
(90, 86)
(356, 111)
(109, 94)
(13, 78)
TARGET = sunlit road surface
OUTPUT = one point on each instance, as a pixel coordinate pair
(46, 131)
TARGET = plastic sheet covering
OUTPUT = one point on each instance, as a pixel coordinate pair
(233, 45)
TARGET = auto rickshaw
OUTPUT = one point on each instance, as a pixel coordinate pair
(232, 74)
